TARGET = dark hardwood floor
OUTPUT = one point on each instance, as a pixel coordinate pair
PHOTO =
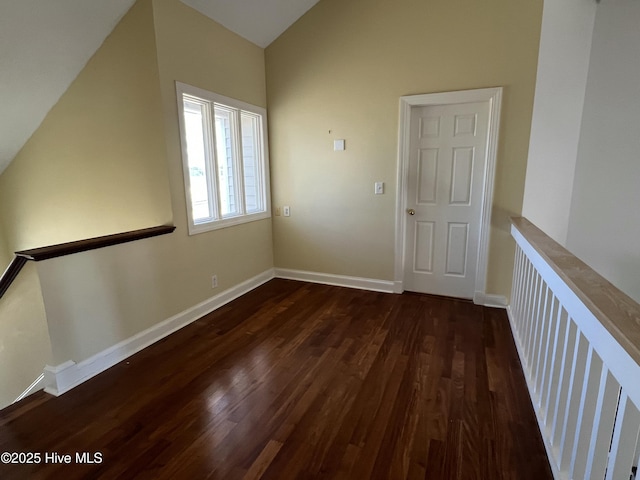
(296, 380)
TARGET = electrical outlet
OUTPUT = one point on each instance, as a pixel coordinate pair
(286, 212)
(214, 281)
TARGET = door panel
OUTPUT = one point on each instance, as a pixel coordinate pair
(427, 175)
(461, 175)
(424, 247)
(457, 244)
(446, 167)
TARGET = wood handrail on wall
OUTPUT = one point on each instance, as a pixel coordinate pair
(617, 312)
(11, 273)
(52, 251)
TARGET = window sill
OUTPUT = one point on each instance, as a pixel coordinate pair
(227, 222)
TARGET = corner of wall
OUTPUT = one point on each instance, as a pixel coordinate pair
(24, 335)
(561, 81)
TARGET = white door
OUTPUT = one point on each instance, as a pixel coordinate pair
(447, 159)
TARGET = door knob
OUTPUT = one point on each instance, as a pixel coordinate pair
(411, 211)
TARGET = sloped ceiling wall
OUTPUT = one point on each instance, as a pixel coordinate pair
(45, 44)
(43, 47)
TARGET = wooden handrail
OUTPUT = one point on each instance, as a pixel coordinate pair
(45, 253)
(578, 338)
(52, 251)
(11, 273)
(617, 312)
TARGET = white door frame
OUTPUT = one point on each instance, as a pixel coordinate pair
(494, 97)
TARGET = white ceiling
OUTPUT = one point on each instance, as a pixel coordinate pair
(259, 21)
(44, 44)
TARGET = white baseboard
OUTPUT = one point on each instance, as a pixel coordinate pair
(386, 286)
(62, 378)
(511, 319)
(488, 300)
(38, 384)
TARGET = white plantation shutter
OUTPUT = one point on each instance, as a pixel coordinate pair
(224, 157)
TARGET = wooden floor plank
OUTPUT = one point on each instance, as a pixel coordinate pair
(296, 380)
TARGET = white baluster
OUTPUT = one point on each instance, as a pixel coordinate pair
(625, 438)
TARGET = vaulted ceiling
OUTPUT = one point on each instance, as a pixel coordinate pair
(44, 44)
(259, 21)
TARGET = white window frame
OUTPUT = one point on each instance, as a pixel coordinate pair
(217, 221)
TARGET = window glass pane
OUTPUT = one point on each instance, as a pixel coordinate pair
(194, 123)
(224, 159)
(251, 154)
(225, 155)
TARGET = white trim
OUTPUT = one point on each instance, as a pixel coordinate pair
(494, 97)
(217, 98)
(531, 387)
(495, 301)
(372, 284)
(62, 378)
(227, 222)
(263, 166)
(37, 384)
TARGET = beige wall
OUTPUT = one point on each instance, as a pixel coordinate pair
(93, 169)
(339, 72)
(96, 165)
(96, 299)
(196, 50)
(24, 339)
(5, 254)
(604, 225)
(189, 51)
(563, 62)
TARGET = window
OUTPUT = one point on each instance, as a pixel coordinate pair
(224, 155)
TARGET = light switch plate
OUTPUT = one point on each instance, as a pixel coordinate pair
(379, 188)
(338, 145)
